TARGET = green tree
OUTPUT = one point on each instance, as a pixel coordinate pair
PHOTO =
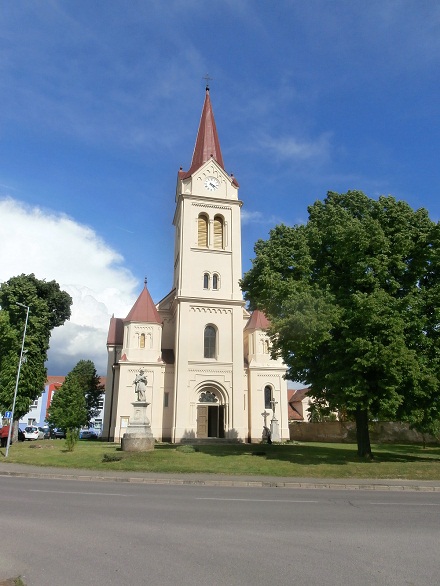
(353, 298)
(68, 410)
(85, 373)
(49, 308)
(76, 402)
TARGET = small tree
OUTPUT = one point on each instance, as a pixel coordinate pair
(84, 372)
(68, 410)
(76, 402)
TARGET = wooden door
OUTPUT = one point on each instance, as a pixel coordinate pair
(202, 421)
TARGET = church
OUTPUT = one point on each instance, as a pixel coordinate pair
(205, 359)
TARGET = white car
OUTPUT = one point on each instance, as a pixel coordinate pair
(31, 432)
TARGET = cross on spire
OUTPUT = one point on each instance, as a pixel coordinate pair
(207, 79)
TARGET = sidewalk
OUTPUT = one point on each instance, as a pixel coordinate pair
(24, 470)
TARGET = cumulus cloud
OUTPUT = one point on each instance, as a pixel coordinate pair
(54, 246)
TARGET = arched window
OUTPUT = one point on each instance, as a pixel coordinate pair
(209, 342)
(267, 397)
(202, 226)
(218, 232)
(206, 281)
(215, 281)
(142, 341)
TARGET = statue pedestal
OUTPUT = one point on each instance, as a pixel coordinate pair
(275, 430)
(138, 437)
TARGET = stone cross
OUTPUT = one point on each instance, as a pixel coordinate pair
(273, 403)
(265, 415)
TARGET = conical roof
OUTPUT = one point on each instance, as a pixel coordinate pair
(258, 321)
(207, 142)
(144, 309)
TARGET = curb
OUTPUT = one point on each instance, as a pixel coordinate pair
(230, 482)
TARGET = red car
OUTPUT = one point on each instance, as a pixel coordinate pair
(4, 435)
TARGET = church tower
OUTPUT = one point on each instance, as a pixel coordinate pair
(207, 361)
(207, 303)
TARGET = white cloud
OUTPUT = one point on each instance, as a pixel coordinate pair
(295, 149)
(54, 246)
(248, 217)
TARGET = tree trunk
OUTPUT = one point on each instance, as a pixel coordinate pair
(363, 433)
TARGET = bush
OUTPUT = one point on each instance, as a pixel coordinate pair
(111, 458)
(187, 449)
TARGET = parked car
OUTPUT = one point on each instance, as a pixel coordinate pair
(46, 432)
(57, 433)
(31, 432)
(4, 431)
(87, 434)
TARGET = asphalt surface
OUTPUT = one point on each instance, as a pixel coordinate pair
(9, 469)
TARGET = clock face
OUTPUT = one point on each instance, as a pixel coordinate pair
(211, 183)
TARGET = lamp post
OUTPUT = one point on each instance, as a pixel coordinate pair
(18, 377)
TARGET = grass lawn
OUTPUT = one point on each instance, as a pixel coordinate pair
(314, 460)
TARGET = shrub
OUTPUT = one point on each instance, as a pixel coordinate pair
(111, 458)
(187, 449)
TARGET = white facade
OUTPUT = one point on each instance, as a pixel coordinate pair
(207, 360)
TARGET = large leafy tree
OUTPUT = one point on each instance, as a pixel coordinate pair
(49, 308)
(76, 402)
(353, 298)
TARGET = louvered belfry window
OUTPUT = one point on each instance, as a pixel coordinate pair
(202, 231)
(218, 232)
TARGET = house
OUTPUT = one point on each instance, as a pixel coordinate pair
(206, 359)
(298, 401)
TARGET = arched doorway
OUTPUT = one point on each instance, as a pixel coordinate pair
(210, 414)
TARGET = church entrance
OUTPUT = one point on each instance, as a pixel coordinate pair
(210, 416)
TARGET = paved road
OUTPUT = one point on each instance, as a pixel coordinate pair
(104, 533)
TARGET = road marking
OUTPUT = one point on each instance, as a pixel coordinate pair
(408, 504)
(253, 500)
(78, 492)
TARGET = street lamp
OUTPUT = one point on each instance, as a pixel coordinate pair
(18, 377)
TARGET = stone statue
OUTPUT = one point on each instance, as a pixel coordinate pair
(140, 385)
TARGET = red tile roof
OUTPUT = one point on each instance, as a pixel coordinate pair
(257, 321)
(295, 405)
(55, 380)
(115, 331)
(207, 142)
(144, 310)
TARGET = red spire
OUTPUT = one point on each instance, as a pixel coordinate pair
(207, 142)
(144, 309)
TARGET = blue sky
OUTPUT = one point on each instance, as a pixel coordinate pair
(100, 104)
